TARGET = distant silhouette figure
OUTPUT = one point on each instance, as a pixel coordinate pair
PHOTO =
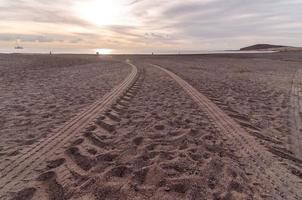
(50, 53)
(97, 53)
(18, 46)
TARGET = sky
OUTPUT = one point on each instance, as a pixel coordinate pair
(144, 26)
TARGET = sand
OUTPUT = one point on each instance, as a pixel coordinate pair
(39, 93)
(151, 150)
(157, 142)
(256, 92)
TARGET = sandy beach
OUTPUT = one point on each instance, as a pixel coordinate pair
(254, 91)
(150, 127)
(41, 92)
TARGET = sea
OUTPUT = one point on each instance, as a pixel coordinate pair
(113, 51)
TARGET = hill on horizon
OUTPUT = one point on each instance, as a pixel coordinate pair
(262, 47)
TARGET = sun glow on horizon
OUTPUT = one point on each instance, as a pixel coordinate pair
(104, 51)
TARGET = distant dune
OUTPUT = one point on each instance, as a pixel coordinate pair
(261, 47)
(269, 47)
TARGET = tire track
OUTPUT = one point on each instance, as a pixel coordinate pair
(95, 141)
(12, 173)
(281, 183)
(296, 114)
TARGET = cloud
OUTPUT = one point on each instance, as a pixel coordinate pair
(38, 38)
(232, 20)
(40, 11)
(135, 2)
(163, 24)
